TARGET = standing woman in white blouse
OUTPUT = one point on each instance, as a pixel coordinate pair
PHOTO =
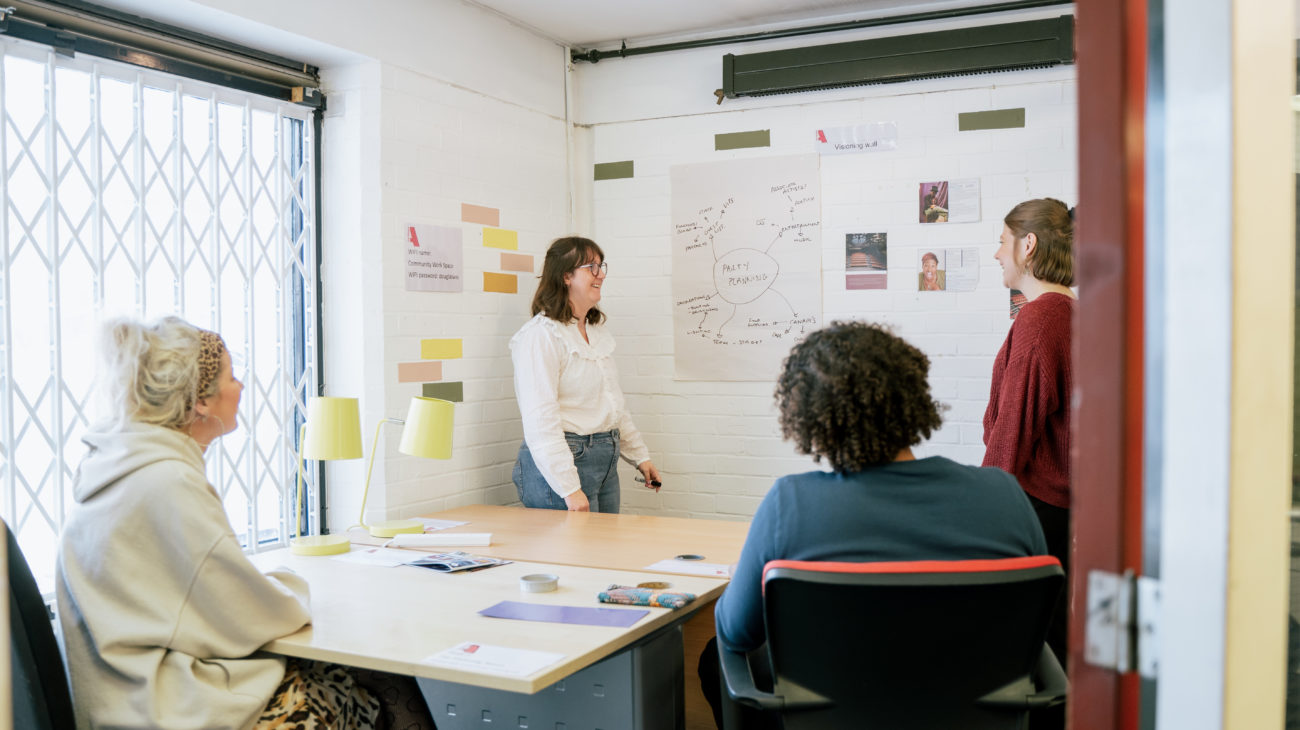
(575, 421)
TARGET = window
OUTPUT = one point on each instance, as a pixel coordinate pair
(133, 192)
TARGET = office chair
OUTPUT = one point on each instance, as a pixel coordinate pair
(926, 644)
(41, 700)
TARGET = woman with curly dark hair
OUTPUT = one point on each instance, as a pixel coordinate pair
(857, 396)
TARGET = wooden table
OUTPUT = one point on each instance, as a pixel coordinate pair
(393, 619)
(594, 540)
(623, 541)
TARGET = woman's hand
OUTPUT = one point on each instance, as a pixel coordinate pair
(651, 475)
(578, 502)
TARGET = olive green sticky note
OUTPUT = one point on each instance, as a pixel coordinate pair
(740, 140)
(440, 349)
(613, 170)
(454, 392)
(996, 119)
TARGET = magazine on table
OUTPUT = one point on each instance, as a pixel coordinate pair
(455, 561)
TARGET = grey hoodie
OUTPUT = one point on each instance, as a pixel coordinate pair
(161, 611)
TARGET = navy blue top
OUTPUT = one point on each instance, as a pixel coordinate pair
(928, 509)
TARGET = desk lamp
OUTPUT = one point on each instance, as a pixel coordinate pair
(426, 432)
(332, 431)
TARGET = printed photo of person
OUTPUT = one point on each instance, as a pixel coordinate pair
(934, 202)
(933, 275)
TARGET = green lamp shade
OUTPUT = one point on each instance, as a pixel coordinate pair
(428, 429)
(333, 429)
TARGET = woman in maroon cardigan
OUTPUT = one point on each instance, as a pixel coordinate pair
(1027, 423)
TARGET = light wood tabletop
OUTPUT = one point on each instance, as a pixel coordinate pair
(394, 618)
(597, 540)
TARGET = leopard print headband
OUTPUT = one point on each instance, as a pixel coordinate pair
(210, 348)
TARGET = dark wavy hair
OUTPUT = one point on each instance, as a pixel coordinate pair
(562, 257)
(1052, 222)
(855, 394)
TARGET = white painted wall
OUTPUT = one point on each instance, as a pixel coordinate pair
(718, 443)
(435, 103)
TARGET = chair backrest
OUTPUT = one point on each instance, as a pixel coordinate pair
(907, 644)
(40, 688)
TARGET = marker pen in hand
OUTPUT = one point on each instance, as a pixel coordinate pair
(654, 483)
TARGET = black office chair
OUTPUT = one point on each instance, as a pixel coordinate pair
(40, 688)
(927, 644)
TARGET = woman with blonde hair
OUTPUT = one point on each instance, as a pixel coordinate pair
(162, 613)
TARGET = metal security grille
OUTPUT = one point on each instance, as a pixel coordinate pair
(136, 193)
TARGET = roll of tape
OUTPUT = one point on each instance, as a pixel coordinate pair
(539, 583)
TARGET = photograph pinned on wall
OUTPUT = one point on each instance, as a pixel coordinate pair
(948, 269)
(1018, 300)
(933, 275)
(949, 201)
(866, 260)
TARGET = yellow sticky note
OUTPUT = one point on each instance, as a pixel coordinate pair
(501, 238)
(440, 349)
(502, 283)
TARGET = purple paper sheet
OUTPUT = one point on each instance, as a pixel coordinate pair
(620, 617)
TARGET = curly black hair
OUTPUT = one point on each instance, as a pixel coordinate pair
(857, 395)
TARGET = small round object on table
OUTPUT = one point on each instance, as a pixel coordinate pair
(539, 582)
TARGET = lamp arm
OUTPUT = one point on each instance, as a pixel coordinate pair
(365, 494)
(299, 497)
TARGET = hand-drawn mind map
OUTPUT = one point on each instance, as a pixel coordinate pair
(746, 265)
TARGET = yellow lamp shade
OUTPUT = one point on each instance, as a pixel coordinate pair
(333, 429)
(428, 429)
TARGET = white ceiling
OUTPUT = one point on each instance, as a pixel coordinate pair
(604, 24)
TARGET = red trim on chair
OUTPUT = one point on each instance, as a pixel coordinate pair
(917, 566)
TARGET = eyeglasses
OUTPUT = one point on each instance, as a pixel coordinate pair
(596, 269)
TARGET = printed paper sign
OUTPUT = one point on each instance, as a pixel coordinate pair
(948, 269)
(434, 258)
(861, 138)
(950, 201)
(487, 659)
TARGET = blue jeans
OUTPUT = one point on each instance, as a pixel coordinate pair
(595, 456)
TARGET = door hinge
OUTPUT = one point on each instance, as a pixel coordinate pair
(1120, 632)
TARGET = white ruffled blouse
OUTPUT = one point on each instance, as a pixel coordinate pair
(566, 384)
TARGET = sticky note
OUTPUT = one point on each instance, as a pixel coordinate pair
(996, 119)
(740, 140)
(500, 238)
(440, 349)
(613, 170)
(517, 262)
(454, 392)
(501, 283)
(418, 372)
(480, 215)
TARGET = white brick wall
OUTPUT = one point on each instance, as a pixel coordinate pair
(443, 146)
(417, 137)
(718, 444)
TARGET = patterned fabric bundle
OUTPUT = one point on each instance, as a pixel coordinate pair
(644, 597)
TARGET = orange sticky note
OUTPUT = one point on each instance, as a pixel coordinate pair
(500, 238)
(419, 372)
(503, 283)
(480, 215)
(517, 262)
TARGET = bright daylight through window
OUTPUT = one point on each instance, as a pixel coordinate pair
(145, 194)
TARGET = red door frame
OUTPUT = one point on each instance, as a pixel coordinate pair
(1111, 44)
